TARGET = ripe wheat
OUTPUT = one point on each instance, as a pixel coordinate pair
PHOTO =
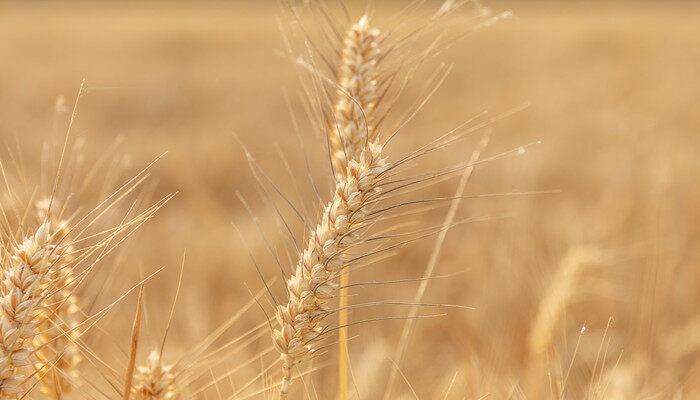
(312, 287)
(58, 355)
(154, 381)
(357, 95)
(352, 126)
(558, 297)
(24, 282)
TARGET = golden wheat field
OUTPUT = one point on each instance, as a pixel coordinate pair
(239, 200)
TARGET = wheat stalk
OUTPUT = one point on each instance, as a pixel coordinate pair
(24, 277)
(312, 287)
(357, 95)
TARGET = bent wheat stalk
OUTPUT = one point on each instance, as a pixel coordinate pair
(312, 287)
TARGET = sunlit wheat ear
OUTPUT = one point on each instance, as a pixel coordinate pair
(352, 126)
(154, 381)
(311, 287)
(357, 95)
(58, 355)
(24, 282)
(555, 301)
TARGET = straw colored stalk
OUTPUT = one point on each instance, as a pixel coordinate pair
(311, 287)
(25, 272)
(352, 125)
(58, 355)
(154, 381)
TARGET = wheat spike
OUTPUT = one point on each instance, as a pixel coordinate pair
(58, 355)
(312, 287)
(357, 95)
(154, 381)
(24, 277)
(353, 121)
(551, 309)
(557, 299)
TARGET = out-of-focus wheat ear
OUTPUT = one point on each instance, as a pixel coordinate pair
(623, 381)
(357, 94)
(135, 330)
(558, 297)
(311, 287)
(552, 306)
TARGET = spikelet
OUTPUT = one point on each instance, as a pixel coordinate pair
(58, 356)
(154, 381)
(357, 95)
(24, 282)
(312, 287)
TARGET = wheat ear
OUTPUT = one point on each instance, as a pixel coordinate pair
(357, 95)
(552, 306)
(24, 276)
(154, 381)
(557, 299)
(351, 127)
(57, 353)
(312, 287)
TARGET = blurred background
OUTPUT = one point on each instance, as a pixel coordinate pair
(611, 87)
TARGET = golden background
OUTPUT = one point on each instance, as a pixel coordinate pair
(612, 89)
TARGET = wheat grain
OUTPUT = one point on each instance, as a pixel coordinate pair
(312, 287)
